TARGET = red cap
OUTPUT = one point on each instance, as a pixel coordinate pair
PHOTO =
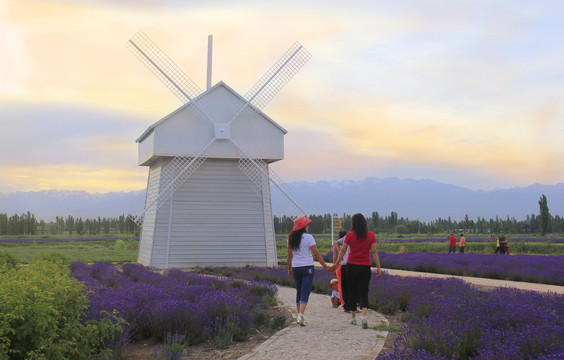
(300, 222)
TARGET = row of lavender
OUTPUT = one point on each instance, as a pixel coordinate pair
(470, 238)
(530, 268)
(195, 306)
(444, 239)
(541, 269)
(63, 239)
(423, 239)
(450, 319)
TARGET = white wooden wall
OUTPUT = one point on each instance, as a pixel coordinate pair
(219, 217)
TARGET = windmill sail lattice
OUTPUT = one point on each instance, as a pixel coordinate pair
(181, 167)
(163, 67)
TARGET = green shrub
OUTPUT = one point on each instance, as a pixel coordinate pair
(40, 310)
(278, 321)
(269, 300)
(54, 257)
(260, 318)
(7, 261)
(236, 283)
(173, 348)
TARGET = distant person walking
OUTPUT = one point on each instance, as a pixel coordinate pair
(506, 246)
(502, 244)
(300, 263)
(497, 248)
(462, 243)
(452, 243)
(362, 243)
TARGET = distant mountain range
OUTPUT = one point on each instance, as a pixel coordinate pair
(414, 199)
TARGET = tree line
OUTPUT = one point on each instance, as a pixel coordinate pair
(27, 224)
(543, 223)
(321, 224)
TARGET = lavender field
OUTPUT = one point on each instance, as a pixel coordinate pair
(20, 240)
(542, 269)
(475, 243)
(529, 268)
(196, 307)
(450, 319)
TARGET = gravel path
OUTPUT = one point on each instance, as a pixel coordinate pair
(485, 282)
(328, 334)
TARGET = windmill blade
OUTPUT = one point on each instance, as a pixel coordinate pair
(274, 80)
(256, 99)
(181, 167)
(163, 67)
(174, 175)
(278, 76)
(257, 170)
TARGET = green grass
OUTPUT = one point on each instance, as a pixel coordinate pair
(523, 248)
(515, 247)
(113, 251)
(125, 250)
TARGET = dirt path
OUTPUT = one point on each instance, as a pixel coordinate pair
(328, 334)
(485, 282)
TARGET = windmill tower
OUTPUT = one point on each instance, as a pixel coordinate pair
(208, 199)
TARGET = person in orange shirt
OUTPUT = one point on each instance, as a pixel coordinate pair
(462, 243)
(341, 269)
(452, 240)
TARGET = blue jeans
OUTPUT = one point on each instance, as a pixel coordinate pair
(303, 278)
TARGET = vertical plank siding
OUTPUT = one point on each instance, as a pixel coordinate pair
(148, 229)
(219, 217)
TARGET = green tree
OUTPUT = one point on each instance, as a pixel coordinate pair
(80, 226)
(70, 224)
(544, 215)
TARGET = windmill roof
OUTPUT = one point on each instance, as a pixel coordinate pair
(221, 83)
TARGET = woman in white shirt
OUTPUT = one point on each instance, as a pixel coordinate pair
(300, 263)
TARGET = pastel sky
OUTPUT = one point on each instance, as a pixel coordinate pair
(469, 93)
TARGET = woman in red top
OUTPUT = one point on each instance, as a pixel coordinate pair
(362, 243)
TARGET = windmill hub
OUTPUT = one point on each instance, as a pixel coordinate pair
(222, 131)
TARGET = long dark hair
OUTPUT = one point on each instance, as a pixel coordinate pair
(359, 226)
(295, 238)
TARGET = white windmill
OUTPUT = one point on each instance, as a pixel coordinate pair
(208, 199)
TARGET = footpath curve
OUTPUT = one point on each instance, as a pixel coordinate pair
(484, 281)
(327, 335)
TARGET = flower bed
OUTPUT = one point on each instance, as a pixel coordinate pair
(469, 238)
(451, 319)
(543, 269)
(177, 303)
(442, 239)
(529, 268)
(62, 239)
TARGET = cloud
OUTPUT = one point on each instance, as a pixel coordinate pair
(468, 92)
(55, 145)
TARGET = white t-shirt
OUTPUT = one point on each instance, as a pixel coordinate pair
(341, 241)
(302, 255)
